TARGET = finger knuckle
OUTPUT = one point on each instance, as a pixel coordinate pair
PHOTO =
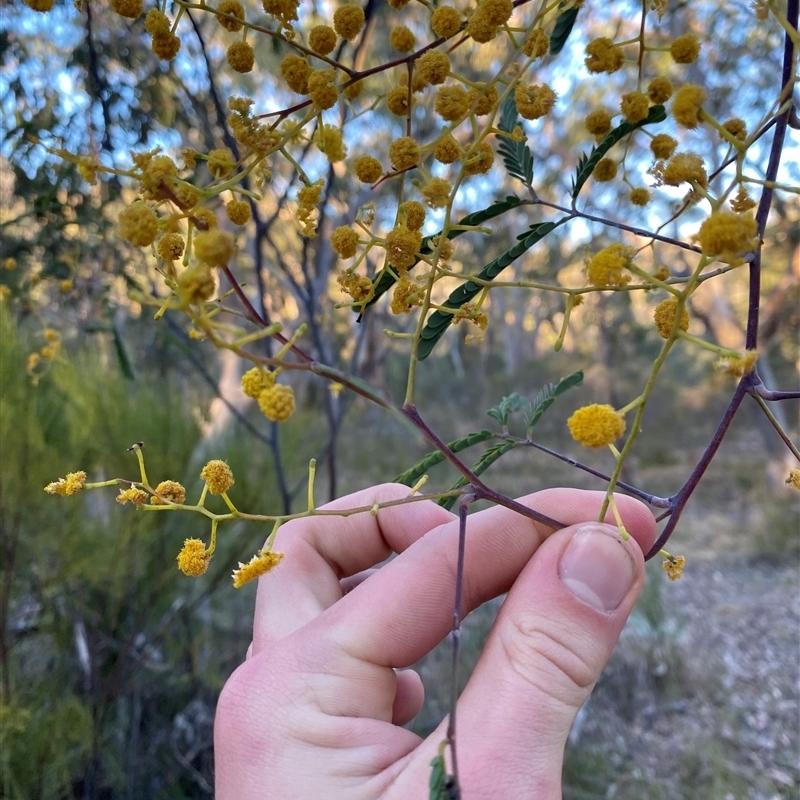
(542, 653)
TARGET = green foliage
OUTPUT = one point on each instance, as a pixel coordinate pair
(413, 474)
(109, 646)
(516, 155)
(386, 279)
(506, 407)
(437, 782)
(563, 28)
(588, 161)
(546, 396)
(440, 321)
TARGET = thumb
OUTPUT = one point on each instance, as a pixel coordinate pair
(552, 639)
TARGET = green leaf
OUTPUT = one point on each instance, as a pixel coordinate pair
(483, 463)
(440, 321)
(588, 161)
(562, 29)
(437, 783)
(546, 396)
(517, 156)
(386, 279)
(506, 407)
(413, 474)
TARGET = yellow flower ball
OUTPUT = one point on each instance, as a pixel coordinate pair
(241, 57)
(368, 169)
(344, 241)
(322, 39)
(665, 317)
(193, 558)
(235, 9)
(446, 21)
(218, 476)
(596, 425)
(171, 491)
(138, 224)
(277, 402)
(348, 20)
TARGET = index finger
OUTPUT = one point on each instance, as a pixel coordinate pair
(321, 550)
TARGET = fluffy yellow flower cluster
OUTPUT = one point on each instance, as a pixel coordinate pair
(596, 425)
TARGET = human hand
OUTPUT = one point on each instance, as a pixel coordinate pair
(317, 708)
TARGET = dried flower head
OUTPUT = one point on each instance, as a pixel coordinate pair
(132, 494)
(738, 366)
(193, 558)
(674, 566)
(72, 484)
(639, 196)
(170, 491)
(257, 566)
(793, 479)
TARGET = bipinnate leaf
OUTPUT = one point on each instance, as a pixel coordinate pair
(437, 783)
(563, 28)
(413, 474)
(440, 321)
(506, 407)
(482, 464)
(516, 156)
(588, 161)
(387, 280)
(546, 396)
